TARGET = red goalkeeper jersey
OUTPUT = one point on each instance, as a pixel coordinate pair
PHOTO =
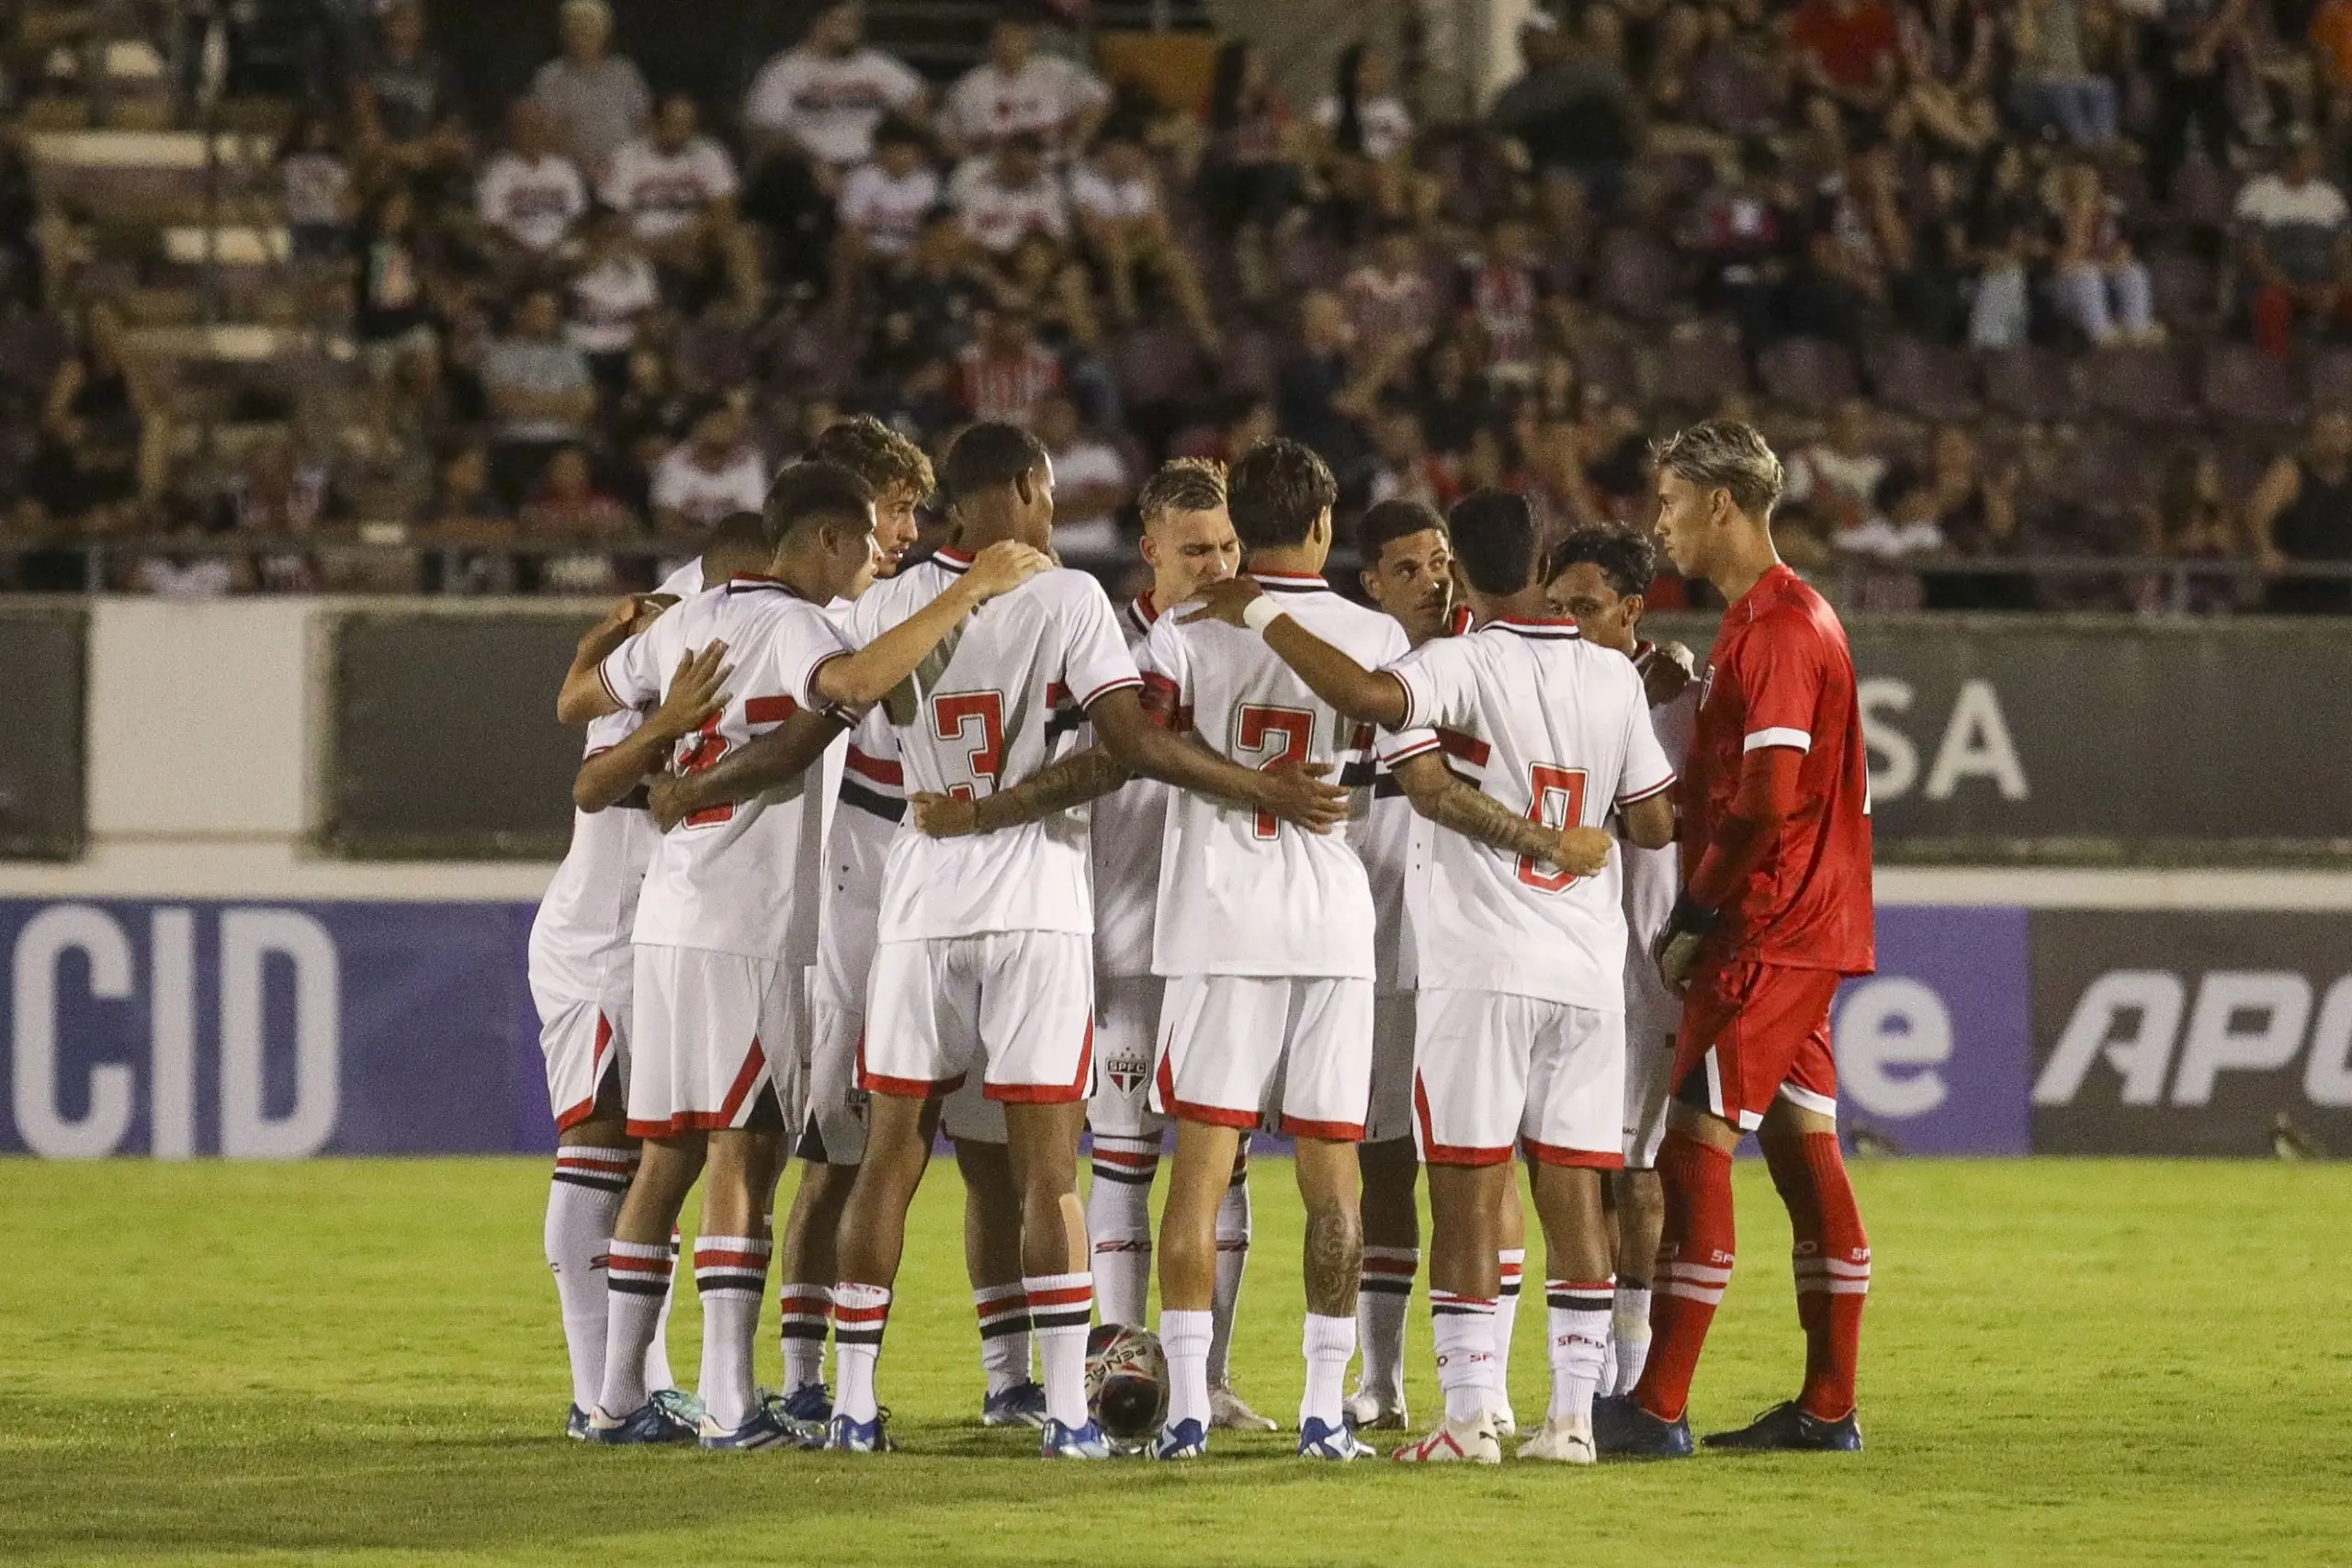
(1781, 675)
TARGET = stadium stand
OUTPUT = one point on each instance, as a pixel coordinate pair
(274, 289)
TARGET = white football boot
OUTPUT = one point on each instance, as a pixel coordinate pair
(1455, 1442)
(1563, 1442)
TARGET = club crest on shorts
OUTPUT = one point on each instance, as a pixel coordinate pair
(1127, 1073)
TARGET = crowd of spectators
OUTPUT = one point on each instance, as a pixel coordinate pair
(597, 316)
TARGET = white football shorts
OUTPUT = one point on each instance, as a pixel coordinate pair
(1392, 1067)
(713, 1032)
(1649, 1078)
(586, 1046)
(1126, 1027)
(1492, 1069)
(1246, 1050)
(1011, 1008)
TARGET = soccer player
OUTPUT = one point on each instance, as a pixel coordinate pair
(1774, 911)
(1265, 937)
(1599, 577)
(984, 960)
(1408, 572)
(580, 974)
(1520, 1031)
(867, 810)
(728, 913)
(1188, 540)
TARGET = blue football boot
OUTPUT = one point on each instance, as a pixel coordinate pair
(1786, 1428)
(1022, 1405)
(1185, 1439)
(1317, 1441)
(850, 1436)
(1058, 1441)
(1622, 1429)
(652, 1422)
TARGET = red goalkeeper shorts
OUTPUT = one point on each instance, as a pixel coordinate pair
(1751, 1032)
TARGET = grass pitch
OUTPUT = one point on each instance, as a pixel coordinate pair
(360, 1362)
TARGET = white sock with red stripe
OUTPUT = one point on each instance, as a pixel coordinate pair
(1463, 1327)
(1061, 1310)
(1512, 1261)
(1629, 1338)
(1232, 1262)
(1184, 1340)
(1578, 1314)
(1384, 1291)
(1003, 1312)
(731, 1275)
(804, 1314)
(1329, 1346)
(636, 1277)
(658, 1375)
(860, 1314)
(583, 1199)
(1118, 1216)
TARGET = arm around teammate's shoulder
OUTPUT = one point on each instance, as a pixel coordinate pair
(1372, 696)
(868, 675)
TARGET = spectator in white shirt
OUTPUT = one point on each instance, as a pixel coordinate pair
(1835, 480)
(530, 196)
(821, 100)
(713, 473)
(882, 208)
(1124, 219)
(612, 294)
(1007, 195)
(1092, 486)
(598, 99)
(1017, 90)
(679, 189)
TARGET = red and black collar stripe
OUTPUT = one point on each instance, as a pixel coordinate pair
(1561, 628)
(1142, 612)
(1289, 582)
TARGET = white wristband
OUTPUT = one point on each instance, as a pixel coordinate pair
(1261, 612)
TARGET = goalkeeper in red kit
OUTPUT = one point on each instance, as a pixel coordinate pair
(1775, 910)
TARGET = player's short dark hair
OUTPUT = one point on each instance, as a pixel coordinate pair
(1627, 561)
(1183, 484)
(876, 453)
(1495, 540)
(1276, 492)
(1390, 521)
(806, 494)
(737, 541)
(989, 456)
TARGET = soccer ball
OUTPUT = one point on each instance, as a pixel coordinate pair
(1126, 1381)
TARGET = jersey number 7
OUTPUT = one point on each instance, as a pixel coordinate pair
(1282, 734)
(952, 718)
(1555, 798)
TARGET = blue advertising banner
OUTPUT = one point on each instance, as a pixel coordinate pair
(283, 1029)
(1934, 1050)
(268, 1030)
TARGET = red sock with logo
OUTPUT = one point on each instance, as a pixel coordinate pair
(1833, 1283)
(1694, 1263)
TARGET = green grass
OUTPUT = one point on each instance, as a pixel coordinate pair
(359, 1362)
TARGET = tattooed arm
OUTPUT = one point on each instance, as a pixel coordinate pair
(1445, 800)
(1073, 781)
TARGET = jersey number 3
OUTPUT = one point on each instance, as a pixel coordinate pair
(1282, 734)
(952, 718)
(1555, 798)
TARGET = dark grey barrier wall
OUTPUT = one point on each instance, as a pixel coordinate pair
(2101, 738)
(41, 789)
(445, 741)
(2191, 1033)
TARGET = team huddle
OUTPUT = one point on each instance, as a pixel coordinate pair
(871, 849)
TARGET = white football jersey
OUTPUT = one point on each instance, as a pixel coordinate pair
(741, 878)
(1554, 729)
(997, 700)
(685, 582)
(1393, 840)
(1653, 877)
(1242, 892)
(579, 938)
(1127, 827)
